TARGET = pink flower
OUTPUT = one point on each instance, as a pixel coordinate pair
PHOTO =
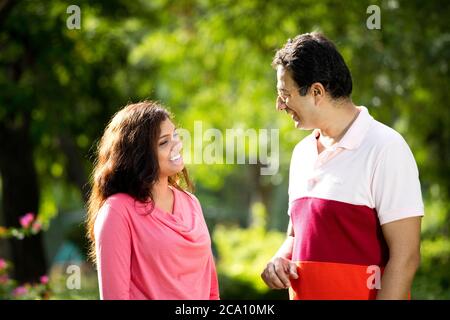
(2, 264)
(36, 227)
(19, 291)
(44, 279)
(26, 220)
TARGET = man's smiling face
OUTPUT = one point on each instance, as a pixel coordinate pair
(301, 108)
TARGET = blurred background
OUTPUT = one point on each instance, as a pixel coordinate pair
(207, 61)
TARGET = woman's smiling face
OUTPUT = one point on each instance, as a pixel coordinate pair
(169, 148)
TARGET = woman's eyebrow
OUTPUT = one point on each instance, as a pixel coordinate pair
(163, 136)
(168, 134)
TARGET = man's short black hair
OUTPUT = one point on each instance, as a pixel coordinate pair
(311, 58)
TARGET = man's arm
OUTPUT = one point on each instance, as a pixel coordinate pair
(280, 268)
(285, 250)
(403, 240)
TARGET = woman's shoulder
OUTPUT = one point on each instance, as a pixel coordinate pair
(119, 202)
(188, 197)
(113, 214)
(119, 199)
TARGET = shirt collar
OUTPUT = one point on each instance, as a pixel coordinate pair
(356, 133)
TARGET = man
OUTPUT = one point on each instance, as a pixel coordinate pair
(355, 202)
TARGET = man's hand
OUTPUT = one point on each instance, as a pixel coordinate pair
(278, 272)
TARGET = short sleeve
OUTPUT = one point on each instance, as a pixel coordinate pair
(395, 186)
(113, 251)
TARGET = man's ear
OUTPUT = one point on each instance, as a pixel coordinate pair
(318, 92)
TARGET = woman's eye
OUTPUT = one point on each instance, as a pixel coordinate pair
(163, 143)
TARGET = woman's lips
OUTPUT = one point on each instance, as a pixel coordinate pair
(175, 155)
(177, 159)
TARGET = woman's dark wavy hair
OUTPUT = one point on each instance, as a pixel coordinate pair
(127, 160)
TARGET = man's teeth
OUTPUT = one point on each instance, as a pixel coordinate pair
(178, 156)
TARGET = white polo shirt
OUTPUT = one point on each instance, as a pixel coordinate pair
(338, 199)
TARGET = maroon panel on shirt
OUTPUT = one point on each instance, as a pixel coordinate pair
(335, 231)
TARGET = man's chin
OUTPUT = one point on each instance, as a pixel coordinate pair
(299, 125)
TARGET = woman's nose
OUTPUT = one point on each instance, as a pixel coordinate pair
(177, 147)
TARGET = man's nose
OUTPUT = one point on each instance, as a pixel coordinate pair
(280, 105)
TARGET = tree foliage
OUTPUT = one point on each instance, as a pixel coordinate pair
(208, 61)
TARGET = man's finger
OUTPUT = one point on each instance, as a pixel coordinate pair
(267, 276)
(274, 279)
(293, 271)
(282, 274)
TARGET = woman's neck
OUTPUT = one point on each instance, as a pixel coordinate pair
(163, 196)
(161, 188)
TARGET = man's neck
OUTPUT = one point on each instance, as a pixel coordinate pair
(338, 121)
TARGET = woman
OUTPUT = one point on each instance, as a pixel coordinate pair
(148, 235)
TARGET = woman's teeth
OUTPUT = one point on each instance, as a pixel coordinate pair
(174, 158)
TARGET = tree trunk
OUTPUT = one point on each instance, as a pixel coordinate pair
(76, 173)
(20, 196)
(261, 193)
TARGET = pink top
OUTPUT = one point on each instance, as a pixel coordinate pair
(143, 254)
